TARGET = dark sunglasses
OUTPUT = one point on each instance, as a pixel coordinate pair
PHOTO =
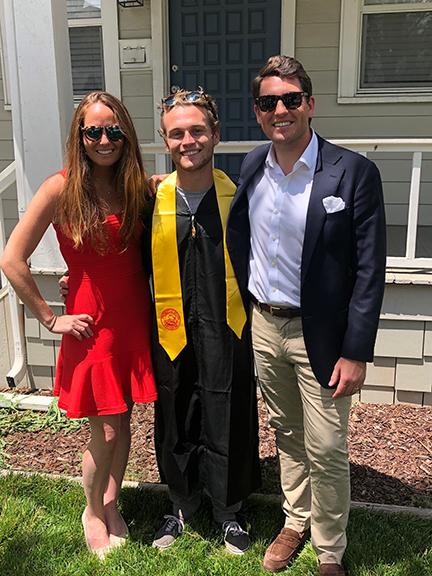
(94, 133)
(192, 97)
(291, 101)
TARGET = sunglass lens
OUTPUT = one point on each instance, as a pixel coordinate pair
(93, 133)
(292, 100)
(168, 101)
(193, 96)
(114, 133)
(267, 103)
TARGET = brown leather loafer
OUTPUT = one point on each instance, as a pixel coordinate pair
(331, 570)
(284, 549)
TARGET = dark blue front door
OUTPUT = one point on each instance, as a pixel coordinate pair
(220, 45)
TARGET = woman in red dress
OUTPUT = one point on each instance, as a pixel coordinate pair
(96, 204)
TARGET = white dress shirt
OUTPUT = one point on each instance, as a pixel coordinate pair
(278, 205)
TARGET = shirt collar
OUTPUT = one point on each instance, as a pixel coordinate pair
(308, 158)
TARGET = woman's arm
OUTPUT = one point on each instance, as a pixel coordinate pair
(24, 239)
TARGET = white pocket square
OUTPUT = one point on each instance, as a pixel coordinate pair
(333, 204)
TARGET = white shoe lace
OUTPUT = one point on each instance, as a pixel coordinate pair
(233, 528)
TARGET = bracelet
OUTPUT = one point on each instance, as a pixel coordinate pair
(52, 323)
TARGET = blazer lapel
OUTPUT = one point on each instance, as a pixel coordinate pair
(326, 181)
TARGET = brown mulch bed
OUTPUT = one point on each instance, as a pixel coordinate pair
(390, 452)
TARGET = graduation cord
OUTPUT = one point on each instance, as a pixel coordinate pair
(195, 277)
(193, 229)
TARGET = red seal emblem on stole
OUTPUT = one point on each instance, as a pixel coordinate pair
(170, 319)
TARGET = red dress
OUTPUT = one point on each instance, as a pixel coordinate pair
(95, 376)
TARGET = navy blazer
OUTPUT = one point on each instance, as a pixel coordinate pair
(343, 260)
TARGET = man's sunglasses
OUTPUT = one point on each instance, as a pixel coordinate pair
(191, 97)
(94, 133)
(291, 101)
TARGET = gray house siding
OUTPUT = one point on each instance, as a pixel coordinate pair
(317, 47)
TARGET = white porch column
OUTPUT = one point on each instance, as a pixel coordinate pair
(40, 77)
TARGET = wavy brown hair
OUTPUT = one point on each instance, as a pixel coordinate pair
(79, 209)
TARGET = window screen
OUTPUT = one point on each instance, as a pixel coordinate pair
(87, 59)
(396, 50)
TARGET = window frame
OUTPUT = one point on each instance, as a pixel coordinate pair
(3, 60)
(349, 91)
(108, 22)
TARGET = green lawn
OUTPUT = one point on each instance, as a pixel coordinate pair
(41, 535)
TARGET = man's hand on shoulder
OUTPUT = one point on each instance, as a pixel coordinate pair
(348, 376)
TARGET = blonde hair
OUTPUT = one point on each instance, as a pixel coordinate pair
(80, 212)
(203, 100)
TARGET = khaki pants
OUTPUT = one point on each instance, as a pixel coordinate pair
(311, 435)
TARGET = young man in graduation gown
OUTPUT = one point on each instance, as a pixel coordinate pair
(206, 416)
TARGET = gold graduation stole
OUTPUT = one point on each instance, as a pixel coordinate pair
(166, 269)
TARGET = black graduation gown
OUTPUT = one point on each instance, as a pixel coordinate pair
(206, 425)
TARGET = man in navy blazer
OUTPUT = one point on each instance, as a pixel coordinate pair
(306, 236)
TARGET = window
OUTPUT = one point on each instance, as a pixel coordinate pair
(386, 51)
(86, 48)
(3, 59)
(93, 37)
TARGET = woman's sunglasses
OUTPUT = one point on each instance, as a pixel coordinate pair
(94, 133)
(291, 101)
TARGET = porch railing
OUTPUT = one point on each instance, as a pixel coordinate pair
(417, 147)
(7, 178)
(18, 369)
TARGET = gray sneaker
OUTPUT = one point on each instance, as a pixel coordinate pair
(168, 532)
(235, 538)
